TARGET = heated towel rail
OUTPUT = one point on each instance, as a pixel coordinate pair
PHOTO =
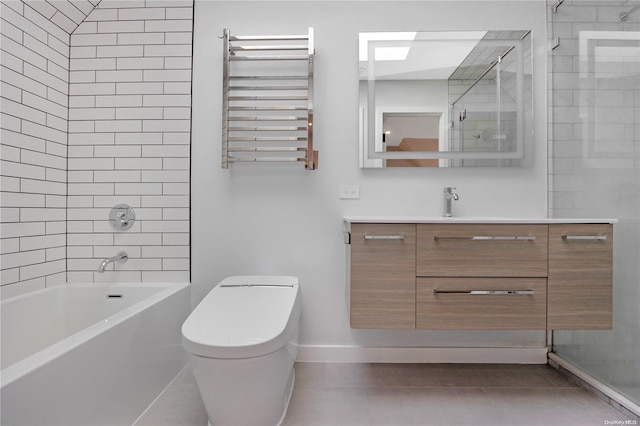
(267, 111)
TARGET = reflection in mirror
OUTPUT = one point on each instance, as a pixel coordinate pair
(403, 131)
(445, 99)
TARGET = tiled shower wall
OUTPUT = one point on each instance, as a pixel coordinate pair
(595, 110)
(34, 100)
(477, 132)
(595, 167)
(107, 108)
(129, 140)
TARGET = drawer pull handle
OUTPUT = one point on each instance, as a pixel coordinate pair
(384, 237)
(487, 292)
(585, 237)
(487, 238)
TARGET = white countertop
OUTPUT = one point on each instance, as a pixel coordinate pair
(488, 220)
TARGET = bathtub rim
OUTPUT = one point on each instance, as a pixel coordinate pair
(16, 371)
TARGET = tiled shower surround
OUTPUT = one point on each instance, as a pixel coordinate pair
(35, 88)
(595, 167)
(95, 112)
(129, 134)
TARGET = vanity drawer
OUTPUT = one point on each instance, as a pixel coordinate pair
(481, 250)
(383, 276)
(481, 303)
(580, 276)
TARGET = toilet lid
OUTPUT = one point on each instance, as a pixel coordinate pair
(243, 317)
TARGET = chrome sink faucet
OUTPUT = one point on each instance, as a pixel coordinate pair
(449, 195)
(120, 257)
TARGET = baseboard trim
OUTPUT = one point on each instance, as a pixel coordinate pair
(516, 355)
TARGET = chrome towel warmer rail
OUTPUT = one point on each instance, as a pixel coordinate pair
(267, 111)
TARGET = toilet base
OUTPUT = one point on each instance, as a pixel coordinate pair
(291, 384)
(245, 392)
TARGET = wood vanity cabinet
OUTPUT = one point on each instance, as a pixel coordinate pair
(481, 276)
(481, 303)
(580, 276)
(383, 276)
(503, 276)
(481, 250)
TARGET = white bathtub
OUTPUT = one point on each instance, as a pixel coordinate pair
(89, 354)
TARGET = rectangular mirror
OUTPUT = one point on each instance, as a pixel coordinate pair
(445, 98)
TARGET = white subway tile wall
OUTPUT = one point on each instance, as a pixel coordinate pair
(86, 91)
(34, 103)
(594, 113)
(128, 124)
(594, 167)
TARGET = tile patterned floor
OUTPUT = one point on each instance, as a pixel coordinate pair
(334, 394)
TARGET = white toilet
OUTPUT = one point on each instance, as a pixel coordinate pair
(241, 341)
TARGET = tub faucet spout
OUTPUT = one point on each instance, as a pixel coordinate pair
(120, 257)
(448, 196)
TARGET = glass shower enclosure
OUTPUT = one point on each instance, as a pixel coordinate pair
(490, 98)
(594, 170)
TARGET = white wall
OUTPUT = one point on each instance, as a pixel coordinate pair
(282, 219)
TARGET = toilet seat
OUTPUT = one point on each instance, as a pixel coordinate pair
(243, 317)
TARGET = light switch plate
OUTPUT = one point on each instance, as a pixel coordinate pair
(349, 192)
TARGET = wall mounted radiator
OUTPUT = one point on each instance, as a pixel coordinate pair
(267, 111)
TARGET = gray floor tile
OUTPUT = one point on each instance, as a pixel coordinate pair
(335, 394)
(431, 406)
(553, 406)
(403, 375)
(554, 376)
(364, 375)
(333, 374)
(491, 375)
(315, 406)
(179, 405)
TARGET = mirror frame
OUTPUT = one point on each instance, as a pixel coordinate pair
(372, 158)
